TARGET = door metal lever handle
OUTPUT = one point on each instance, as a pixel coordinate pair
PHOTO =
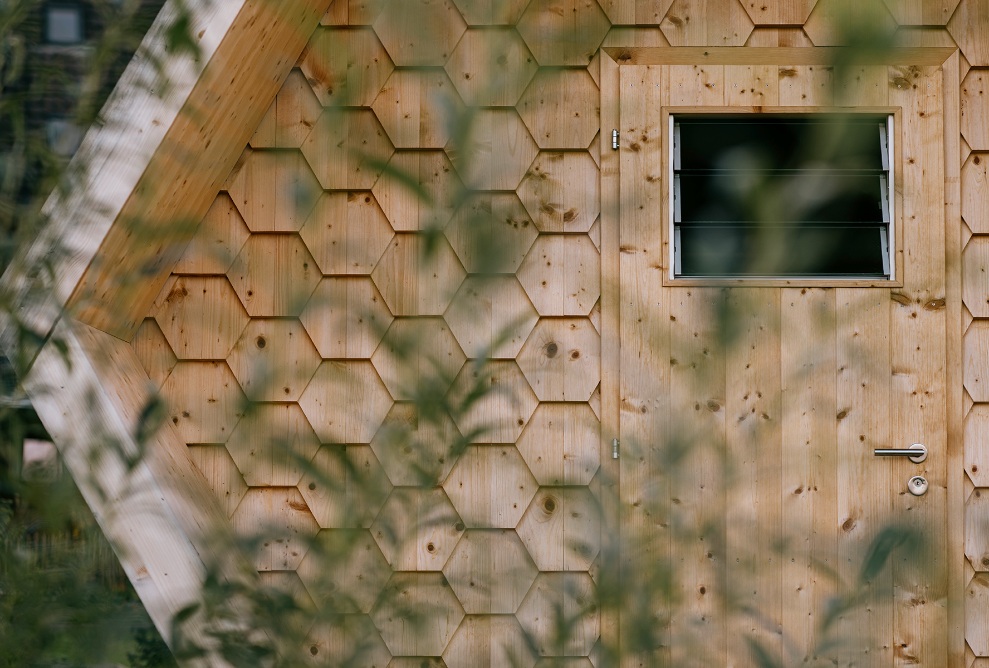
(916, 452)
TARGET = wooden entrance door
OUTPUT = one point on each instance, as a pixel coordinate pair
(757, 526)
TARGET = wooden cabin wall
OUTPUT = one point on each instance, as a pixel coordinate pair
(314, 270)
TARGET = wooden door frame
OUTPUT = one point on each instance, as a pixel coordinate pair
(612, 59)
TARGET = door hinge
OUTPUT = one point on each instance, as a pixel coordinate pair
(614, 448)
(614, 140)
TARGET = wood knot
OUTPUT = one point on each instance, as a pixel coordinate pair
(551, 349)
(260, 342)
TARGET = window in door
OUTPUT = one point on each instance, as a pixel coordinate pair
(781, 195)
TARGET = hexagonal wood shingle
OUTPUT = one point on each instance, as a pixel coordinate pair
(347, 640)
(706, 23)
(491, 67)
(274, 191)
(347, 149)
(490, 571)
(976, 360)
(204, 401)
(200, 317)
(561, 108)
(489, 640)
(491, 316)
(561, 444)
(832, 22)
(152, 349)
(563, 32)
(778, 12)
(561, 192)
(491, 12)
(490, 486)
(977, 456)
(491, 233)
(290, 117)
(273, 360)
(417, 448)
(418, 191)
(344, 571)
(272, 445)
(418, 358)
(221, 473)
(346, 317)
(495, 151)
(564, 604)
(279, 520)
(561, 359)
(419, 108)
(492, 401)
(417, 529)
(562, 274)
(345, 486)
(274, 275)
(345, 67)
(417, 614)
(977, 614)
(347, 233)
(418, 276)
(561, 528)
(969, 26)
(218, 240)
(420, 32)
(345, 402)
(975, 192)
(974, 110)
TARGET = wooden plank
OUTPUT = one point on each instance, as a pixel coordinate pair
(918, 360)
(806, 85)
(706, 22)
(643, 321)
(753, 480)
(149, 498)
(808, 368)
(610, 390)
(721, 55)
(865, 486)
(696, 85)
(751, 86)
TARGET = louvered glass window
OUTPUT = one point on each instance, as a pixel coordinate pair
(780, 196)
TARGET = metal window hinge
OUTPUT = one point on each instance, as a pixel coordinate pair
(614, 140)
(614, 449)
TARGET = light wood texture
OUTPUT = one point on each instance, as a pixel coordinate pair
(778, 37)
(561, 359)
(561, 444)
(291, 116)
(490, 571)
(153, 351)
(220, 237)
(417, 276)
(976, 621)
(806, 85)
(417, 448)
(503, 406)
(347, 639)
(562, 529)
(489, 642)
(491, 12)
(491, 67)
(491, 233)
(975, 276)
(417, 529)
(347, 233)
(701, 85)
(751, 85)
(345, 67)
(346, 317)
(976, 538)
(222, 476)
(274, 275)
(353, 387)
(421, 191)
(561, 192)
(491, 317)
(921, 12)
(152, 503)
(778, 12)
(490, 486)
(976, 352)
(706, 22)
(561, 275)
(273, 360)
(835, 22)
(976, 433)
(645, 12)
(345, 486)
(561, 108)
(716, 55)
(274, 191)
(417, 614)
(416, 108)
(272, 445)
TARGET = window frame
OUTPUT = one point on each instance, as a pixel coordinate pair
(894, 237)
